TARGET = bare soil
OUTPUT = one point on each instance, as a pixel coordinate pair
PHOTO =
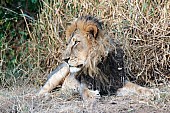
(22, 99)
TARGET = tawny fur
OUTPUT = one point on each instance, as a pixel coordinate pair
(133, 89)
(88, 47)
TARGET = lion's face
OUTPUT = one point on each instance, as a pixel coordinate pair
(80, 35)
(77, 50)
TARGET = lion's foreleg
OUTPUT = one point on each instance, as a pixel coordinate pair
(133, 89)
(71, 84)
(55, 78)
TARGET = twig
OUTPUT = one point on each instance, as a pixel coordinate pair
(31, 18)
(26, 24)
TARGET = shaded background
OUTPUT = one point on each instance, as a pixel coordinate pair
(32, 36)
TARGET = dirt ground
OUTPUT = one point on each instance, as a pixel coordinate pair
(22, 99)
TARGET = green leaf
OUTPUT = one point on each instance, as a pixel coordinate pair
(0, 44)
(34, 1)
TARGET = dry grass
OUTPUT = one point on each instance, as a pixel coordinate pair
(23, 100)
(142, 27)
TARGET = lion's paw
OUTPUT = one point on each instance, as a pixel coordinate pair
(89, 95)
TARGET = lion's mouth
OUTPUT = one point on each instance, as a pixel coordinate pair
(74, 69)
(67, 61)
(79, 66)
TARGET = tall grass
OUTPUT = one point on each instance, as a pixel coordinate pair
(141, 26)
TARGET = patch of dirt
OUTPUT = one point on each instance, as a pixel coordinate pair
(23, 99)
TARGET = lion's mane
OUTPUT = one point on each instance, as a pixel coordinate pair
(104, 68)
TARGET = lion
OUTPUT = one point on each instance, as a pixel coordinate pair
(92, 63)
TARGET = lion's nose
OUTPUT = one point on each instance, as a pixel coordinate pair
(66, 60)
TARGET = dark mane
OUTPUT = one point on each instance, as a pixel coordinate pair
(89, 18)
(112, 68)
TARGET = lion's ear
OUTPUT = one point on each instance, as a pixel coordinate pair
(92, 30)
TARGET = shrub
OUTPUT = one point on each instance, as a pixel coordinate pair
(142, 27)
(14, 39)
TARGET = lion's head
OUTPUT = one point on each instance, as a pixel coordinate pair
(87, 44)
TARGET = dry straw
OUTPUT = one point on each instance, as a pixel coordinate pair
(141, 26)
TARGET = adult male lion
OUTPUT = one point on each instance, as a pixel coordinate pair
(92, 61)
